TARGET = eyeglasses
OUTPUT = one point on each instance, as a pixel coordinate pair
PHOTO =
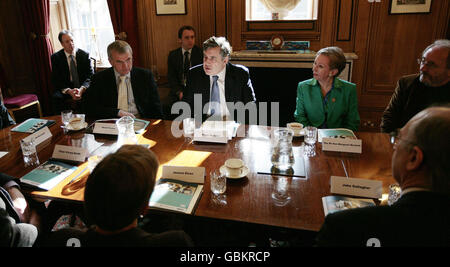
(395, 139)
(423, 62)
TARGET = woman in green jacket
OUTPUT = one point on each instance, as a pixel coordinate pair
(327, 101)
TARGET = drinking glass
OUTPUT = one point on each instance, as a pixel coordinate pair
(218, 182)
(66, 115)
(30, 157)
(188, 126)
(310, 135)
(394, 193)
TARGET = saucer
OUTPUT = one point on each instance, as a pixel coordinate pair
(223, 170)
(70, 128)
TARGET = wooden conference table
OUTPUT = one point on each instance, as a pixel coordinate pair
(246, 200)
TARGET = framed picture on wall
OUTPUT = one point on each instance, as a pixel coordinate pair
(170, 7)
(410, 6)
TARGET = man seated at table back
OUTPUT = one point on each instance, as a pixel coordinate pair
(116, 194)
(218, 81)
(417, 92)
(421, 216)
(16, 216)
(123, 90)
(180, 61)
(71, 73)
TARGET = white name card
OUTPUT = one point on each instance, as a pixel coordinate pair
(356, 187)
(342, 145)
(187, 174)
(3, 153)
(199, 136)
(41, 138)
(105, 128)
(70, 153)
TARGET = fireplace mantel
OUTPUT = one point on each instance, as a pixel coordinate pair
(285, 59)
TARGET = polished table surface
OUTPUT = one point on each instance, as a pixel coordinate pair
(247, 200)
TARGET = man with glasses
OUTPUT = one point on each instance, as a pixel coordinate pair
(417, 92)
(421, 216)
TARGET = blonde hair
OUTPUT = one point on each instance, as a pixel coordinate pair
(336, 56)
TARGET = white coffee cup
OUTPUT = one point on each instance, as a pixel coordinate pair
(77, 121)
(235, 167)
(296, 127)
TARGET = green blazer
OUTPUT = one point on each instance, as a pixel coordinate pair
(341, 108)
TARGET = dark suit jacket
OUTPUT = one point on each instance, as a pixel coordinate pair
(102, 96)
(416, 219)
(410, 97)
(135, 237)
(61, 72)
(175, 69)
(238, 86)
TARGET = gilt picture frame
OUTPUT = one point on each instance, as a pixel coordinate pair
(170, 7)
(409, 7)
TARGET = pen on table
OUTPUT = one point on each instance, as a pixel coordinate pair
(78, 175)
(345, 170)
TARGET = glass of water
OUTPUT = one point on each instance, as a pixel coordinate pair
(66, 115)
(310, 135)
(218, 182)
(30, 157)
(394, 193)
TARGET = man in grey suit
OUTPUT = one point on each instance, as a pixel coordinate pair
(219, 82)
(421, 216)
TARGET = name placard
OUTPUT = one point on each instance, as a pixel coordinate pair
(356, 187)
(187, 174)
(342, 145)
(3, 153)
(70, 153)
(42, 138)
(105, 128)
(199, 136)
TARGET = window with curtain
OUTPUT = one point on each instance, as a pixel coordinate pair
(90, 23)
(281, 10)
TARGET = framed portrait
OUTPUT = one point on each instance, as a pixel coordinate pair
(410, 6)
(170, 7)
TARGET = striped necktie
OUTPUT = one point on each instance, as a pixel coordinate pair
(215, 97)
(74, 73)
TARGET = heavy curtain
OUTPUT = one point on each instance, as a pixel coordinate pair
(124, 20)
(36, 17)
(282, 7)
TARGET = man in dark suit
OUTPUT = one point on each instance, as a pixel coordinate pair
(71, 73)
(220, 83)
(123, 90)
(421, 216)
(180, 61)
(16, 217)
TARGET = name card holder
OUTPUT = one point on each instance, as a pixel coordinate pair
(42, 138)
(356, 187)
(342, 145)
(199, 136)
(70, 153)
(105, 128)
(187, 174)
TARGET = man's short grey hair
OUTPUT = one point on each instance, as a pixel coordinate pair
(120, 47)
(443, 43)
(64, 32)
(225, 47)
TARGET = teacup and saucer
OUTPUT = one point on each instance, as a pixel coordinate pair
(297, 128)
(77, 123)
(234, 168)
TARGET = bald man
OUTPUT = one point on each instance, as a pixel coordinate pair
(421, 216)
